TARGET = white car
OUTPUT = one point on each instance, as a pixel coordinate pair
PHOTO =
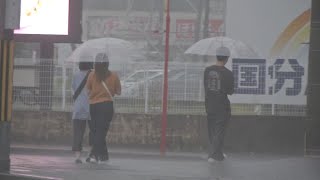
(182, 85)
(131, 86)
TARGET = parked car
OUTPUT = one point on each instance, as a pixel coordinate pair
(183, 84)
(132, 83)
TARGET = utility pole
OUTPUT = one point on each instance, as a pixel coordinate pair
(198, 22)
(313, 96)
(206, 19)
(9, 20)
(198, 25)
(165, 83)
(46, 75)
(206, 24)
(6, 79)
(160, 5)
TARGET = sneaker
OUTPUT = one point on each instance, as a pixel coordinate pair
(78, 161)
(224, 155)
(91, 159)
(104, 162)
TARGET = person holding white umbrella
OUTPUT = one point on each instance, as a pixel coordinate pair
(218, 84)
(116, 50)
(80, 113)
(208, 47)
(102, 85)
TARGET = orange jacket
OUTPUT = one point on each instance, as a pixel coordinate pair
(97, 93)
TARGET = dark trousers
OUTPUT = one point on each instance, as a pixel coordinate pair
(217, 123)
(79, 127)
(101, 116)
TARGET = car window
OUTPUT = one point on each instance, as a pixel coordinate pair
(172, 75)
(136, 77)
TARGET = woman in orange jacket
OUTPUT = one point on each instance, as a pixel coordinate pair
(102, 85)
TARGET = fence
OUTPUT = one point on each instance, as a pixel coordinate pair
(261, 87)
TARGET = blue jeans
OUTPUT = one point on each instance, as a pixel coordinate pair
(79, 127)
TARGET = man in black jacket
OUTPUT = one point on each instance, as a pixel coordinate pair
(218, 84)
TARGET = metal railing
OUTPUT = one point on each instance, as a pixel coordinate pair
(260, 88)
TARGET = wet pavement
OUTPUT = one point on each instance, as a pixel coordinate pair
(142, 165)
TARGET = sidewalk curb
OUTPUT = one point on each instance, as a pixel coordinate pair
(8, 176)
(128, 153)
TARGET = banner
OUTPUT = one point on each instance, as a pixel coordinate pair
(140, 26)
(259, 81)
(279, 31)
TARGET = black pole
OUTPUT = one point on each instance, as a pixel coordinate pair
(313, 96)
(198, 26)
(2, 16)
(6, 81)
(160, 6)
(46, 75)
(5, 146)
(198, 22)
(206, 19)
(206, 24)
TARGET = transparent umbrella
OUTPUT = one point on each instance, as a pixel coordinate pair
(116, 49)
(209, 46)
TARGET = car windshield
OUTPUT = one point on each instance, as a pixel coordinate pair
(172, 74)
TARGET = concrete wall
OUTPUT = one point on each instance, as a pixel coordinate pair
(184, 133)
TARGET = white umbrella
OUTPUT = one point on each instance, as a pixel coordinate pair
(116, 49)
(209, 46)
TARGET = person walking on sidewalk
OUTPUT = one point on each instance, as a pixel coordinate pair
(102, 85)
(218, 84)
(81, 113)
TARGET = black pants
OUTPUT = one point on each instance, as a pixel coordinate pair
(101, 116)
(217, 123)
(79, 127)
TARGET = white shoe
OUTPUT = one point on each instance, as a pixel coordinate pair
(91, 160)
(224, 155)
(107, 162)
(211, 160)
